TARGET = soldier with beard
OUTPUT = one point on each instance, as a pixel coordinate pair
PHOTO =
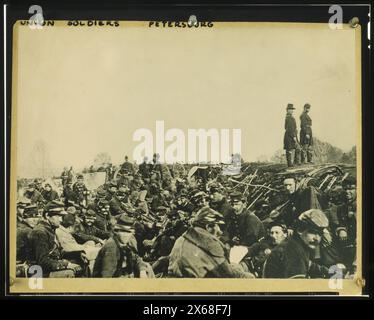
(87, 231)
(219, 203)
(120, 203)
(173, 228)
(103, 217)
(182, 203)
(199, 253)
(294, 258)
(199, 199)
(27, 217)
(119, 256)
(45, 250)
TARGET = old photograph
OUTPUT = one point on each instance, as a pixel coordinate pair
(171, 151)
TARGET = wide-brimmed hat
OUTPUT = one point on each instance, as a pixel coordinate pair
(124, 223)
(290, 106)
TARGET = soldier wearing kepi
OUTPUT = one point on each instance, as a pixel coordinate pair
(80, 190)
(292, 258)
(306, 136)
(243, 227)
(119, 256)
(87, 231)
(64, 176)
(49, 194)
(218, 201)
(199, 253)
(346, 229)
(26, 216)
(68, 193)
(45, 250)
(34, 195)
(290, 142)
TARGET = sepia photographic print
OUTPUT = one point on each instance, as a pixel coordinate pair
(166, 157)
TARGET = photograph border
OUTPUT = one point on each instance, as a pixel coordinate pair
(132, 286)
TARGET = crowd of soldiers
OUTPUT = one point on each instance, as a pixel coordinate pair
(141, 223)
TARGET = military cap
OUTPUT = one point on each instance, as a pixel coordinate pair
(215, 187)
(192, 192)
(90, 214)
(307, 106)
(68, 220)
(258, 247)
(206, 216)
(183, 193)
(349, 181)
(113, 184)
(140, 211)
(261, 204)
(278, 223)
(314, 220)
(31, 185)
(80, 176)
(71, 210)
(198, 194)
(101, 193)
(122, 191)
(22, 203)
(236, 196)
(103, 202)
(31, 210)
(174, 213)
(290, 106)
(162, 208)
(55, 207)
(72, 203)
(124, 223)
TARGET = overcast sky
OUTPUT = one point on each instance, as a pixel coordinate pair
(86, 90)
